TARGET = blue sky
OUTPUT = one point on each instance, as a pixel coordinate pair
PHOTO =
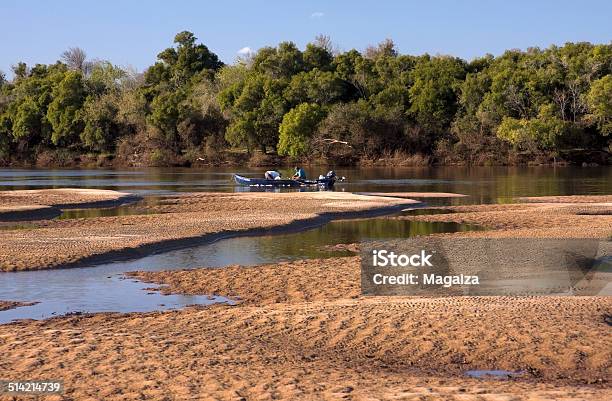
(133, 32)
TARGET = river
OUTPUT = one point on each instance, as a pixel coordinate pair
(103, 288)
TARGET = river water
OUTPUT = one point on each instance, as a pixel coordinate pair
(483, 184)
(103, 288)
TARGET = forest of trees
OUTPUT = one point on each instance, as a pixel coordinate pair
(284, 104)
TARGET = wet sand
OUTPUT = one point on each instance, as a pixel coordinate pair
(178, 221)
(5, 305)
(27, 212)
(415, 194)
(302, 331)
(32, 204)
(567, 199)
(64, 197)
(547, 217)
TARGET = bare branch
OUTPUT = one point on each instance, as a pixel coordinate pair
(75, 59)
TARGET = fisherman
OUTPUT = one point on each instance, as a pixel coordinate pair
(299, 173)
(272, 175)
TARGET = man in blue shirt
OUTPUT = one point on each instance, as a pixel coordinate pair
(299, 174)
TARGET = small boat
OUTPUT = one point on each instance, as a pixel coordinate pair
(327, 181)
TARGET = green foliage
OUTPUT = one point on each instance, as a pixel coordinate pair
(369, 131)
(434, 93)
(165, 112)
(356, 71)
(65, 111)
(27, 120)
(104, 77)
(20, 70)
(181, 63)
(542, 131)
(350, 123)
(282, 62)
(344, 105)
(242, 131)
(5, 145)
(322, 87)
(599, 101)
(298, 126)
(101, 125)
(317, 57)
(256, 106)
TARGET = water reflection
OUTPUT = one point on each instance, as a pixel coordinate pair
(131, 209)
(425, 211)
(483, 184)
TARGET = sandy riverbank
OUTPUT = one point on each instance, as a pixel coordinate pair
(5, 305)
(364, 348)
(546, 217)
(179, 220)
(64, 197)
(415, 194)
(542, 217)
(302, 331)
(32, 204)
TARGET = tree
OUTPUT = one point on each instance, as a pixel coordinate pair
(386, 48)
(255, 106)
(325, 42)
(319, 57)
(316, 86)
(5, 137)
(180, 64)
(20, 70)
(27, 120)
(368, 131)
(543, 131)
(76, 60)
(543, 101)
(24, 115)
(433, 95)
(104, 77)
(165, 114)
(132, 109)
(281, 62)
(599, 100)
(298, 126)
(356, 71)
(242, 132)
(101, 124)
(64, 111)
(191, 58)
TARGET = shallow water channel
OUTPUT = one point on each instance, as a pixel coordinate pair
(103, 288)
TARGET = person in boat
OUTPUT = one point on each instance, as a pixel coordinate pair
(330, 176)
(272, 175)
(299, 173)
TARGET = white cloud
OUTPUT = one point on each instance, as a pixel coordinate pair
(245, 51)
(317, 14)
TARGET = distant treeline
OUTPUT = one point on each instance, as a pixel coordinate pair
(317, 104)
